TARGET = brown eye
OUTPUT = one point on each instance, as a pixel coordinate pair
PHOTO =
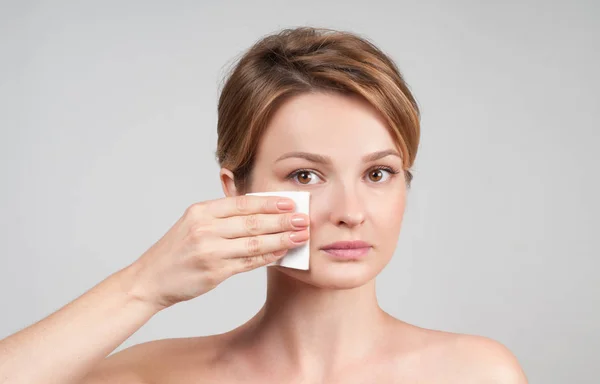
(376, 175)
(304, 177)
(381, 174)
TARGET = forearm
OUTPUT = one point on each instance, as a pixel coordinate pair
(64, 346)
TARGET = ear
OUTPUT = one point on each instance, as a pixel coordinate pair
(228, 182)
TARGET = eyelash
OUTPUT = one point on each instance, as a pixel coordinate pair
(392, 171)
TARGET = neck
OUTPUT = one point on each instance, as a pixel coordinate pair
(311, 329)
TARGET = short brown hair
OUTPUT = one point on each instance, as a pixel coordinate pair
(301, 60)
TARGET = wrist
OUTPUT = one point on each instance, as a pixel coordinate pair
(132, 284)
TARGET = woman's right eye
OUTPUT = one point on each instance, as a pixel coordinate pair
(304, 176)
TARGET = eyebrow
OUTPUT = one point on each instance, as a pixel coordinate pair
(322, 159)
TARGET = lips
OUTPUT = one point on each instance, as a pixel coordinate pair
(356, 244)
(348, 250)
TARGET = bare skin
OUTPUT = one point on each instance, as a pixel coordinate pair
(404, 354)
(323, 325)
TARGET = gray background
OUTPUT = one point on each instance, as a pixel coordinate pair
(108, 128)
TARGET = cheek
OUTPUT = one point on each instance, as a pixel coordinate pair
(387, 213)
(389, 204)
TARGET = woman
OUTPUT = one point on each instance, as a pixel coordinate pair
(305, 109)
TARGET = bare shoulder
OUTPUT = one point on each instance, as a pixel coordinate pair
(487, 359)
(470, 358)
(151, 362)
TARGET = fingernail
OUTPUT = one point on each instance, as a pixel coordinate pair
(299, 221)
(299, 237)
(285, 205)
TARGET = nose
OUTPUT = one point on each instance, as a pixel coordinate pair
(347, 208)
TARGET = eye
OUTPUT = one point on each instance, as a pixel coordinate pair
(303, 176)
(377, 174)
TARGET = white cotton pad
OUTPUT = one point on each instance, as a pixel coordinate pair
(299, 257)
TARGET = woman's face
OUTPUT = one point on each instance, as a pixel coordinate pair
(326, 140)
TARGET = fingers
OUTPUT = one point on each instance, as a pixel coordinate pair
(247, 231)
(244, 247)
(247, 205)
(259, 224)
(244, 264)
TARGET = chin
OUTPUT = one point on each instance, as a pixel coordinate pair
(328, 274)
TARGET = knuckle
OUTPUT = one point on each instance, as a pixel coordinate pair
(284, 239)
(248, 263)
(252, 223)
(196, 209)
(241, 203)
(285, 222)
(266, 206)
(207, 253)
(202, 242)
(198, 232)
(253, 245)
(266, 258)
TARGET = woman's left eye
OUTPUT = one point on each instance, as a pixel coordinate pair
(379, 174)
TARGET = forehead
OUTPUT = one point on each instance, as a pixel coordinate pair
(325, 123)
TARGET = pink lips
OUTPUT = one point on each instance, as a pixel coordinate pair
(348, 249)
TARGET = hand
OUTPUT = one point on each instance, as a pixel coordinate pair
(214, 240)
